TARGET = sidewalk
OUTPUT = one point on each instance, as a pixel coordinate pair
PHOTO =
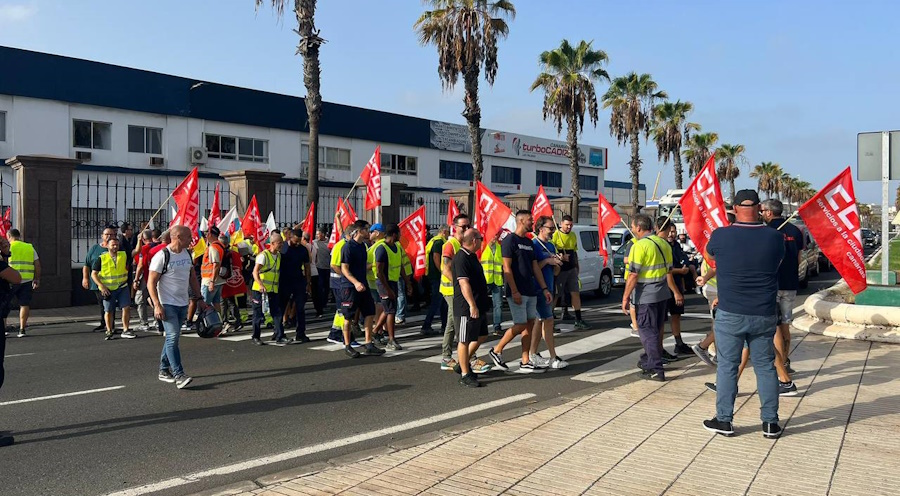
(647, 438)
(48, 316)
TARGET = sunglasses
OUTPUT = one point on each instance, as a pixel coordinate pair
(463, 228)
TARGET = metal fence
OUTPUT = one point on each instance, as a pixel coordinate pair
(290, 203)
(101, 199)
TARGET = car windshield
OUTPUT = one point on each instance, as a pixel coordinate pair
(615, 238)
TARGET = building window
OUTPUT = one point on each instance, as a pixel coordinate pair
(234, 148)
(88, 223)
(399, 164)
(329, 158)
(407, 199)
(587, 183)
(92, 135)
(548, 179)
(506, 175)
(457, 171)
(145, 140)
(2, 126)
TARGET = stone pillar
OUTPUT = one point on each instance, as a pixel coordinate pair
(595, 211)
(464, 198)
(246, 183)
(519, 201)
(44, 217)
(389, 214)
(561, 206)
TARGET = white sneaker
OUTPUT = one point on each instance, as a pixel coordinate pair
(538, 361)
(558, 363)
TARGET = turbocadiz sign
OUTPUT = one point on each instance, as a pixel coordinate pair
(503, 144)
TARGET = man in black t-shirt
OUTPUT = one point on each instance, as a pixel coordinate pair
(471, 301)
(355, 294)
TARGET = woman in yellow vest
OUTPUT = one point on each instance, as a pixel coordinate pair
(110, 272)
(492, 263)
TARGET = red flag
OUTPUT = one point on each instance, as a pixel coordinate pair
(333, 238)
(833, 220)
(541, 205)
(344, 214)
(251, 224)
(452, 212)
(703, 207)
(490, 213)
(607, 218)
(309, 223)
(187, 201)
(412, 238)
(5, 222)
(371, 177)
(215, 214)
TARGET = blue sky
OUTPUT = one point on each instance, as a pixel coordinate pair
(792, 81)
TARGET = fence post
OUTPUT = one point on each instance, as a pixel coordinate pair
(246, 183)
(44, 218)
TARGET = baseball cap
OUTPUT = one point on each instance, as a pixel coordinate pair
(746, 195)
(376, 227)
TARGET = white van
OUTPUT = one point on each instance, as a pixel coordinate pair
(593, 274)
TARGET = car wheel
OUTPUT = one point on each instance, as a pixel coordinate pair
(605, 287)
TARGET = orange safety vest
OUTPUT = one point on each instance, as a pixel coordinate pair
(206, 269)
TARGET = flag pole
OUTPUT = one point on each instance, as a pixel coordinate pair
(164, 203)
(787, 220)
(626, 227)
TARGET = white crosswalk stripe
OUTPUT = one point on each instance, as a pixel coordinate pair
(621, 366)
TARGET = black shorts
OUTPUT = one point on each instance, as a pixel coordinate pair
(353, 300)
(673, 308)
(388, 305)
(469, 329)
(22, 292)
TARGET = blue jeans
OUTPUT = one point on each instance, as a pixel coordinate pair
(401, 299)
(211, 297)
(437, 304)
(171, 355)
(497, 299)
(732, 331)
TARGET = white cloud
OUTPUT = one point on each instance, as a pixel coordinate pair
(10, 13)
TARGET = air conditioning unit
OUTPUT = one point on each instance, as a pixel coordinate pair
(198, 155)
(157, 161)
(83, 156)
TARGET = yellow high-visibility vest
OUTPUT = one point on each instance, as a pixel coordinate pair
(269, 273)
(395, 260)
(21, 258)
(446, 283)
(428, 262)
(492, 263)
(113, 273)
(654, 261)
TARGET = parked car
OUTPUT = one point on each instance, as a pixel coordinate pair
(618, 263)
(618, 236)
(869, 238)
(809, 257)
(593, 275)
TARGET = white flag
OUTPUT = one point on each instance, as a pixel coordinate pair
(204, 224)
(226, 221)
(270, 223)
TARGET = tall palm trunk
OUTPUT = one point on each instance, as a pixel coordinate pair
(309, 50)
(679, 173)
(572, 140)
(731, 186)
(635, 165)
(472, 114)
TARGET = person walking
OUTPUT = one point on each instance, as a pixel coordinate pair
(651, 281)
(524, 282)
(8, 276)
(322, 257)
(336, 335)
(389, 271)
(405, 286)
(294, 280)
(376, 234)
(171, 273)
(471, 301)
(149, 239)
(746, 312)
(24, 259)
(233, 291)
(87, 282)
(312, 291)
(355, 292)
(567, 282)
(266, 278)
(492, 266)
(461, 222)
(549, 263)
(110, 273)
(433, 274)
(211, 269)
(666, 230)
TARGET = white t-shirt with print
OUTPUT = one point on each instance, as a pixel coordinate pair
(173, 285)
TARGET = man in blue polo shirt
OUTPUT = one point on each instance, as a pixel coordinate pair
(747, 255)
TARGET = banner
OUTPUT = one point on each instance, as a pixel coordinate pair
(215, 214)
(187, 201)
(5, 222)
(607, 218)
(541, 206)
(452, 212)
(491, 214)
(343, 215)
(251, 224)
(833, 221)
(703, 207)
(270, 225)
(309, 223)
(371, 177)
(412, 238)
(226, 225)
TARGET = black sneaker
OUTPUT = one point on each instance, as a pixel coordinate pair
(668, 357)
(372, 350)
(723, 428)
(258, 342)
(351, 352)
(641, 366)
(303, 338)
(711, 386)
(469, 380)
(7, 441)
(683, 349)
(787, 388)
(787, 366)
(498, 360)
(109, 336)
(426, 331)
(652, 375)
(771, 430)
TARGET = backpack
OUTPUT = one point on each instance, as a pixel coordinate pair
(225, 268)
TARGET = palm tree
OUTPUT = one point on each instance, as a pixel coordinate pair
(803, 191)
(730, 157)
(767, 174)
(787, 187)
(670, 129)
(568, 75)
(632, 99)
(865, 214)
(466, 33)
(699, 148)
(308, 48)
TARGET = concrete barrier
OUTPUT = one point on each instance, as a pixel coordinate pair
(832, 312)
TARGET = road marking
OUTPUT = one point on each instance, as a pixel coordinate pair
(317, 448)
(588, 344)
(19, 355)
(64, 395)
(619, 367)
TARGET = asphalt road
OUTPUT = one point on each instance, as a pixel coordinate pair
(248, 402)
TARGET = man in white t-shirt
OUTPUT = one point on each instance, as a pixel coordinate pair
(168, 285)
